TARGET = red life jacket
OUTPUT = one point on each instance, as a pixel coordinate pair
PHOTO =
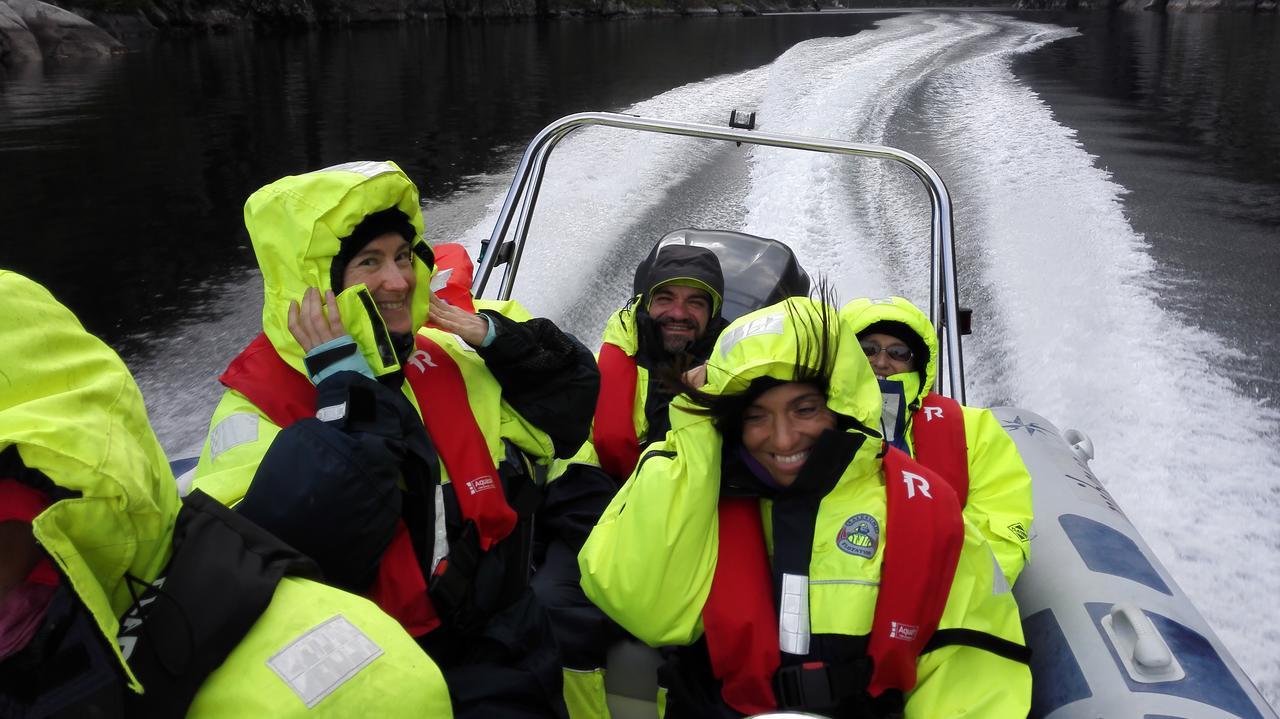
(20, 502)
(286, 395)
(454, 264)
(614, 431)
(937, 429)
(741, 621)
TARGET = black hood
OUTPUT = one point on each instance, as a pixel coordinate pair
(681, 262)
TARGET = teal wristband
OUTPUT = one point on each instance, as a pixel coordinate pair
(493, 332)
(353, 362)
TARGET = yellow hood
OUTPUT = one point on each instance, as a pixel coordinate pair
(864, 312)
(74, 413)
(774, 341)
(296, 224)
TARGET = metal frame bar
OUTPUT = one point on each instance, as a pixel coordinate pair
(521, 200)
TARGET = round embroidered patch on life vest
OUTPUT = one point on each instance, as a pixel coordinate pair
(859, 536)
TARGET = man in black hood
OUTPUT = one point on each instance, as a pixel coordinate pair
(673, 317)
(681, 291)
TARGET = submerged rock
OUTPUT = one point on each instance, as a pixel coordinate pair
(17, 44)
(58, 33)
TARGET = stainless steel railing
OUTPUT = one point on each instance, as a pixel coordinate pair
(522, 198)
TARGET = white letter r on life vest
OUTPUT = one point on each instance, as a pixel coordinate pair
(931, 412)
(421, 360)
(914, 480)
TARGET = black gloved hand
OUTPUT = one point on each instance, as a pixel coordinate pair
(331, 489)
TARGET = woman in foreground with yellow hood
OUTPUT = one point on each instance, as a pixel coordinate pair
(795, 563)
(117, 599)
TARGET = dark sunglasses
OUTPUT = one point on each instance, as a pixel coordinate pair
(897, 353)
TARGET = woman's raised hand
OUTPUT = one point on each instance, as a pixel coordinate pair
(696, 377)
(317, 320)
(472, 328)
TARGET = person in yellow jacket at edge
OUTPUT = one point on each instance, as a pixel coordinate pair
(398, 455)
(796, 561)
(954, 440)
(117, 599)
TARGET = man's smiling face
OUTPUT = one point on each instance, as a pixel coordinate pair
(681, 313)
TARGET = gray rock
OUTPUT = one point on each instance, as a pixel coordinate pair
(63, 34)
(17, 44)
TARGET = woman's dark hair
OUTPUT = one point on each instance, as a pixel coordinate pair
(374, 225)
(814, 362)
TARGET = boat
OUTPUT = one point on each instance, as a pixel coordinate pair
(1110, 631)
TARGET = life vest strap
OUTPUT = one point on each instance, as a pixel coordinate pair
(916, 576)
(979, 640)
(839, 686)
(937, 429)
(441, 391)
(739, 617)
(614, 430)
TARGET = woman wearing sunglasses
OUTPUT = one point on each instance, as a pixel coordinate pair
(966, 445)
(791, 561)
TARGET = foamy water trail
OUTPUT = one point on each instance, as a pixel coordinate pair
(1070, 322)
(1080, 336)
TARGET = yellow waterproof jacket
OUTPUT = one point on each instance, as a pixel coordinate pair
(650, 561)
(999, 502)
(296, 225)
(73, 412)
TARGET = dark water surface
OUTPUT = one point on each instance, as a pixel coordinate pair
(122, 181)
(1184, 110)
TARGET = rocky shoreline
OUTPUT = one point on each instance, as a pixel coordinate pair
(32, 31)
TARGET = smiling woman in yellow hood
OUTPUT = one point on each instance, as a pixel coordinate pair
(771, 584)
(298, 224)
(147, 620)
(999, 485)
(381, 447)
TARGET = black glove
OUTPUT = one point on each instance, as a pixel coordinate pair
(331, 489)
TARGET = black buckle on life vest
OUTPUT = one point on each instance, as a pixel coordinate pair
(452, 585)
(807, 685)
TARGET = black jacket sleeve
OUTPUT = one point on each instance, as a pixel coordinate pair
(575, 500)
(547, 376)
(330, 488)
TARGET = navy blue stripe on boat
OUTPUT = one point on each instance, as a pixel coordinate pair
(182, 465)
(1108, 551)
(1056, 678)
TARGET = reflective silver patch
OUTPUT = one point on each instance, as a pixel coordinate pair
(233, 431)
(771, 324)
(793, 616)
(999, 585)
(364, 167)
(440, 549)
(332, 413)
(318, 662)
(440, 279)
